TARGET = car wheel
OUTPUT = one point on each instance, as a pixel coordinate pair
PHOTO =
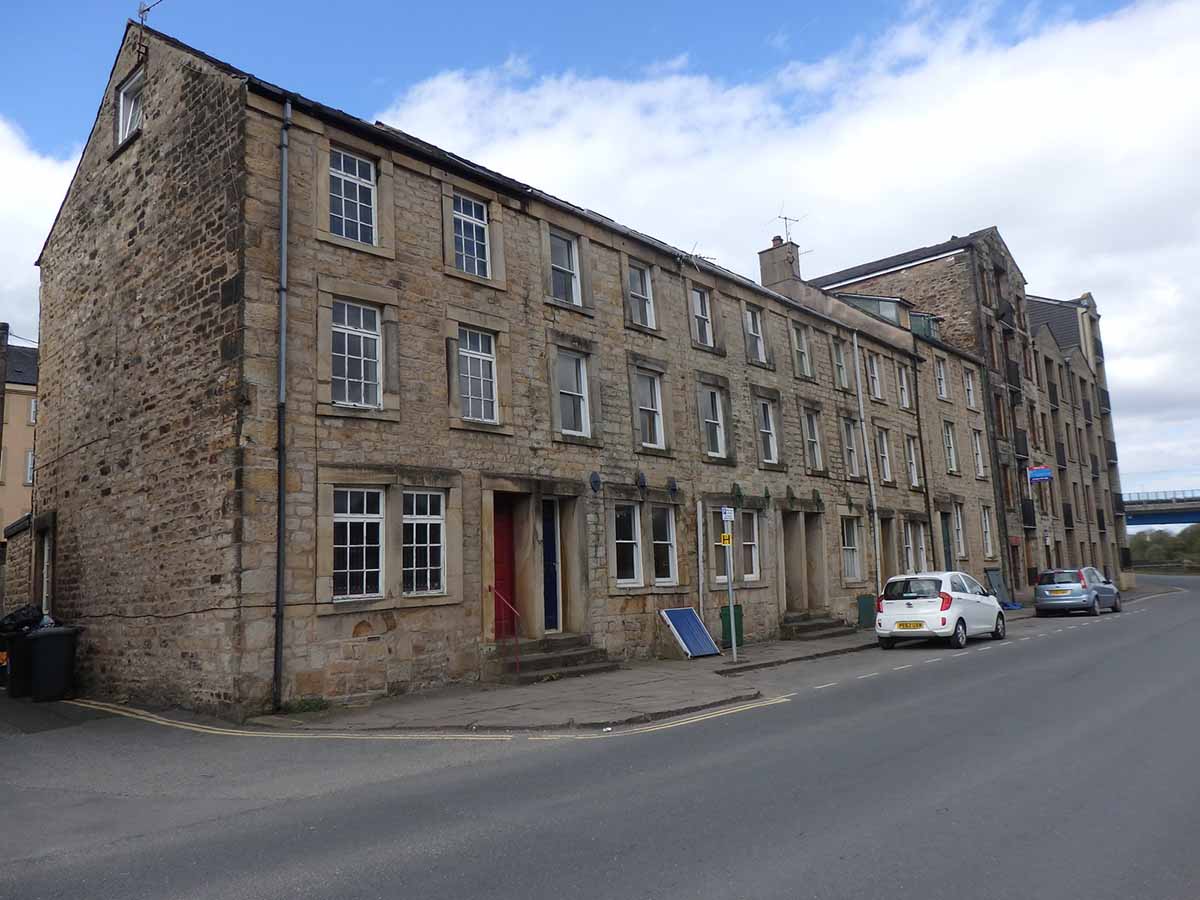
(1095, 610)
(1117, 603)
(1000, 630)
(887, 643)
(958, 640)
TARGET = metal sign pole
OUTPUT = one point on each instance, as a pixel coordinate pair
(729, 585)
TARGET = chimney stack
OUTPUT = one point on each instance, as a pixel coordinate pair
(779, 267)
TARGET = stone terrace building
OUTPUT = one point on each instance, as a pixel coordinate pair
(502, 413)
(973, 285)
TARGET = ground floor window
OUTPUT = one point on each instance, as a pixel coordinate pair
(851, 553)
(751, 570)
(424, 542)
(628, 543)
(662, 523)
(358, 521)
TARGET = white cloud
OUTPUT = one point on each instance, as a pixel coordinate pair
(1079, 139)
(34, 188)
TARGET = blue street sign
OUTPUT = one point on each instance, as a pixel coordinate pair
(1039, 473)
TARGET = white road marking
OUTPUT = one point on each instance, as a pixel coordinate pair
(935, 659)
(821, 687)
(1057, 630)
(898, 668)
(1072, 626)
(869, 675)
(963, 653)
(1041, 634)
(1027, 638)
(985, 647)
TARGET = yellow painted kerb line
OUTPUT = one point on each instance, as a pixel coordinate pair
(153, 719)
(663, 726)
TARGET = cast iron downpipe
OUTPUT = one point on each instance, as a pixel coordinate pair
(281, 410)
(862, 425)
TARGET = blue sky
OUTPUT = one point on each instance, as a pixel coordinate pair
(361, 58)
(884, 126)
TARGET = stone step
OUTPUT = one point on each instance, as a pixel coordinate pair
(504, 647)
(534, 677)
(810, 623)
(553, 659)
(828, 630)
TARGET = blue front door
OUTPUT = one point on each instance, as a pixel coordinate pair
(550, 578)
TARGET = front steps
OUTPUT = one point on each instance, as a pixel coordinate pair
(811, 627)
(548, 659)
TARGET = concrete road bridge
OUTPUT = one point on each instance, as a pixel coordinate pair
(1161, 507)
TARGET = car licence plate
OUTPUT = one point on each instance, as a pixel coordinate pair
(1059, 593)
(909, 626)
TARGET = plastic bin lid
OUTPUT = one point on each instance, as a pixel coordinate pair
(54, 630)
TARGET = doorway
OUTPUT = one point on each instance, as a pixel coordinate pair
(795, 577)
(551, 568)
(887, 547)
(815, 556)
(506, 570)
(947, 553)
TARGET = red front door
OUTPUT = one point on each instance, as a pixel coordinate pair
(502, 534)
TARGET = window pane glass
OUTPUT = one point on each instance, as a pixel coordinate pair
(624, 523)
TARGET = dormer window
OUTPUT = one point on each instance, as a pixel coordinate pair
(129, 106)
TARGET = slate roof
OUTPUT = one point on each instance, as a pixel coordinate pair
(891, 262)
(22, 365)
(1060, 316)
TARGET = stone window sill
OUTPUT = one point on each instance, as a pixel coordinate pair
(121, 147)
(761, 364)
(719, 460)
(634, 590)
(379, 604)
(493, 283)
(485, 427)
(569, 307)
(578, 440)
(773, 466)
(716, 350)
(665, 452)
(645, 329)
(338, 240)
(334, 410)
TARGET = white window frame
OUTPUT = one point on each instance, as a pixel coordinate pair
(719, 553)
(903, 392)
(673, 576)
(752, 319)
(910, 458)
(969, 386)
(571, 271)
(360, 184)
(812, 439)
(656, 410)
(986, 521)
(472, 223)
(754, 571)
(768, 439)
(643, 302)
(960, 532)
(713, 405)
(33, 410)
(841, 376)
(885, 455)
(910, 561)
(801, 335)
(922, 551)
(702, 316)
(850, 445)
(417, 519)
(977, 448)
(636, 541)
(939, 374)
(874, 382)
(581, 369)
(950, 445)
(487, 375)
(364, 518)
(350, 333)
(851, 552)
(130, 109)
(30, 468)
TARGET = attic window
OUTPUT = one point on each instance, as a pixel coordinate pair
(129, 106)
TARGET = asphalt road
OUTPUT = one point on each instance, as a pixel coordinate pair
(1062, 763)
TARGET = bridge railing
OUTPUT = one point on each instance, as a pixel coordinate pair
(1161, 496)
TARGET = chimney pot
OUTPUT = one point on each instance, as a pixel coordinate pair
(776, 241)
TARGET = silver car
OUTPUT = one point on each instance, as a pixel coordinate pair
(1067, 590)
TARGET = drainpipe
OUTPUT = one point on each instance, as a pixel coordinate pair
(926, 487)
(281, 410)
(862, 425)
(700, 523)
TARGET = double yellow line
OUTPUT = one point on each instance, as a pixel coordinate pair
(151, 718)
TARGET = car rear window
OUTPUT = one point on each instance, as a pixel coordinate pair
(912, 589)
(1059, 578)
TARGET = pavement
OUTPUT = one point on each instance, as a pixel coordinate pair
(1057, 763)
(639, 692)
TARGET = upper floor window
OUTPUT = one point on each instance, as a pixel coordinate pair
(800, 337)
(714, 422)
(564, 269)
(960, 535)
(939, 372)
(702, 315)
(910, 459)
(850, 446)
(472, 252)
(977, 449)
(129, 106)
(950, 446)
(351, 196)
(839, 364)
(358, 520)
(477, 374)
(812, 439)
(650, 410)
(641, 296)
(882, 440)
(33, 410)
(573, 394)
(986, 522)
(902, 387)
(768, 439)
(756, 347)
(355, 364)
(874, 378)
(969, 386)
(29, 467)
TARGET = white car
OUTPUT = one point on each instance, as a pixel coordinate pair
(936, 604)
